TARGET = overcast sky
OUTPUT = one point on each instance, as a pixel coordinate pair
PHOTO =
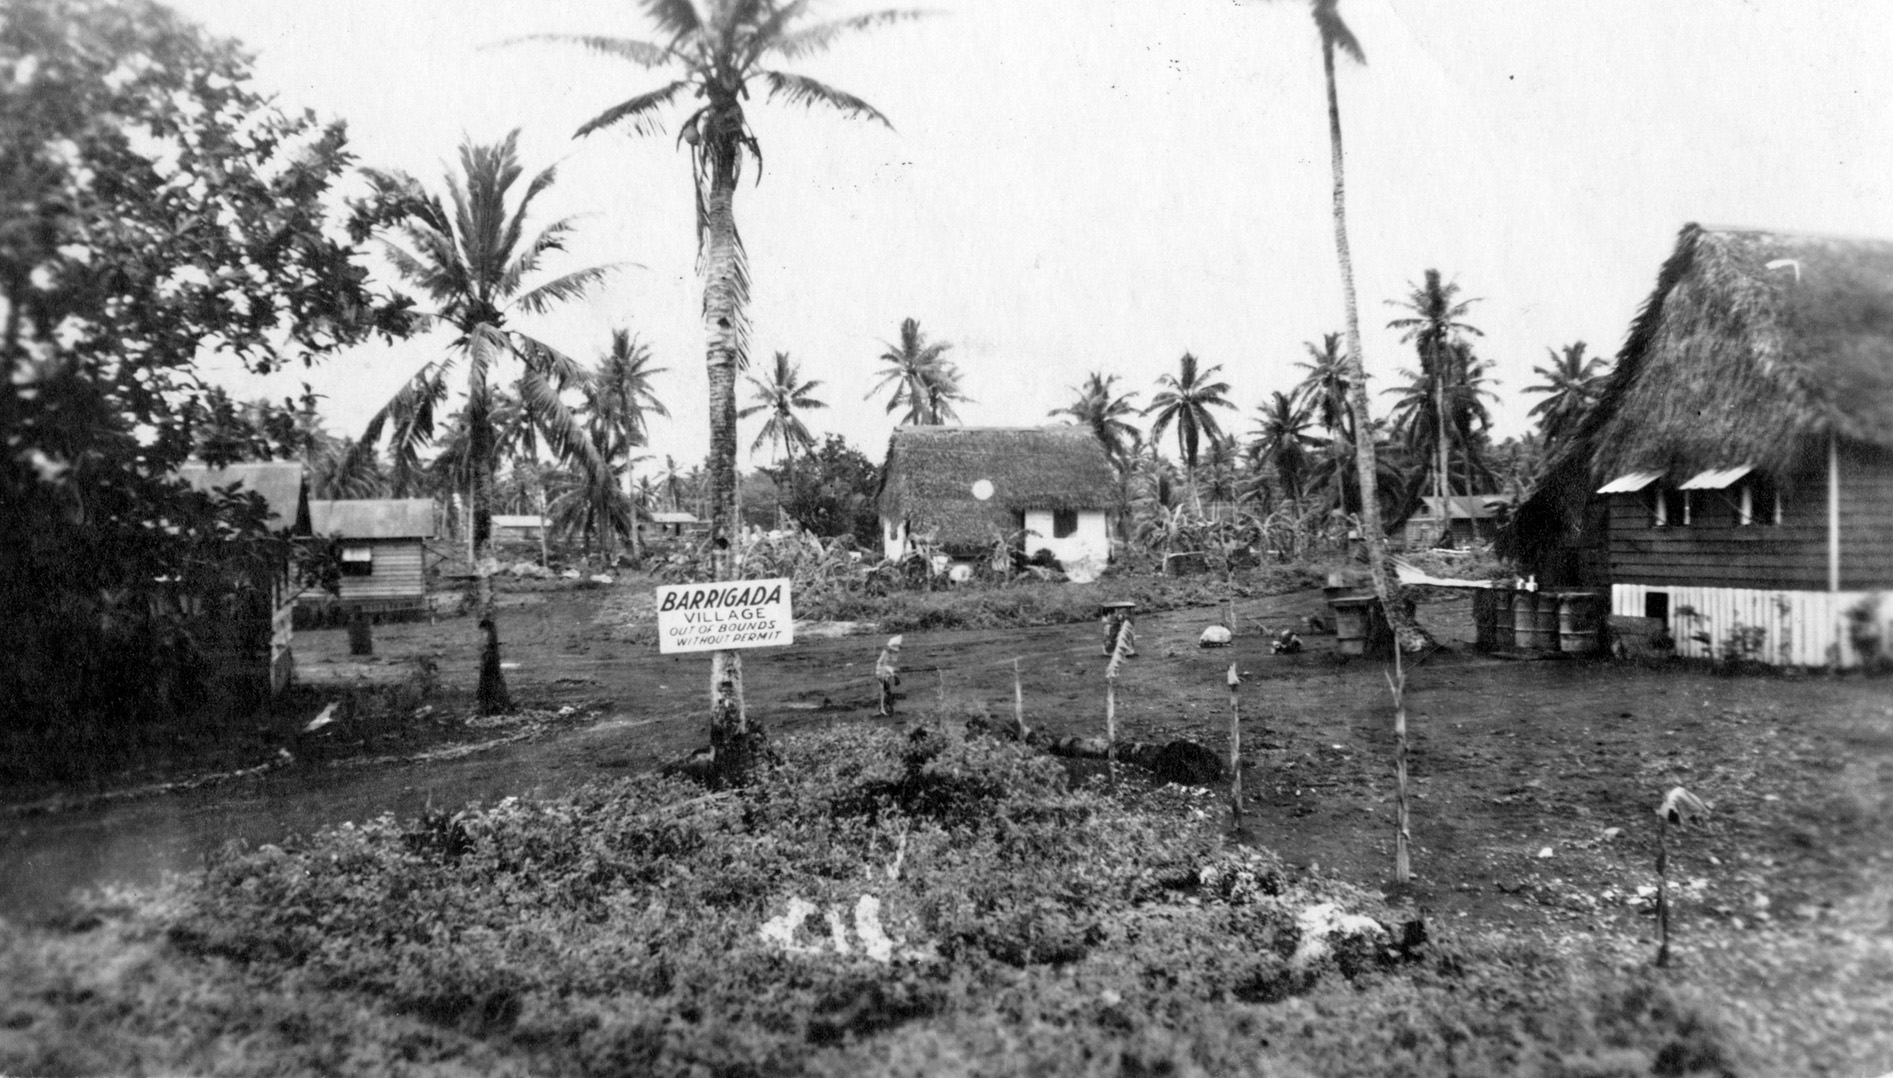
(1078, 185)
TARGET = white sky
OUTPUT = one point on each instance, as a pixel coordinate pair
(1103, 184)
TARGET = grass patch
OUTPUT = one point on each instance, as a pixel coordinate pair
(1033, 928)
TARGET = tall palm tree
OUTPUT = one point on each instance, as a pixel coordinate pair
(1335, 36)
(1185, 399)
(781, 396)
(1282, 442)
(717, 49)
(671, 482)
(1571, 384)
(1435, 325)
(1101, 410)
(1324, 390)
(472, 264)
(922, 378)
(619, 400)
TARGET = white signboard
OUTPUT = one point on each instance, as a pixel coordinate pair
(723, 616)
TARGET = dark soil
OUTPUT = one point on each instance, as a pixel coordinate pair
(1509, 759)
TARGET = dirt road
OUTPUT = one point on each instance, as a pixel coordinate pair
(1510, 759)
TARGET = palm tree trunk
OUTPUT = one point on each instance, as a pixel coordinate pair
(1442, 484)
(631, 489)
(493, 696)
(1407, 632)
(721, 262)
(545, 553)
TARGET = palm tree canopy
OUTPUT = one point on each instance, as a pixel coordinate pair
(1102, 410)
(1571, 384)
(473, 264)
(619, 396)
(782, 396)
(1437, 316)
(1324, 388)
(1185, 400)
(719, 51)
(921, 377)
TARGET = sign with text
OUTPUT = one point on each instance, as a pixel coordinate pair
(722, 616)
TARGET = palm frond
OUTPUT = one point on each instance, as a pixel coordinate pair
(569, 287)
(1335, 32)
(818, 38)
(642, 53)
(639, 110)
(549, 361)
(807, 92)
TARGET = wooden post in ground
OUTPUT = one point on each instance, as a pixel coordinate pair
(1402, 861)
(1235, 746)
(1678, 807)
(1018, 702)
(1121, 648)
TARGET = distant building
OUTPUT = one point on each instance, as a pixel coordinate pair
(247, 635)
(963, 490)
(1473, 520)
(521, 527)
(672, 525)
(383, 547)
(1735, 479)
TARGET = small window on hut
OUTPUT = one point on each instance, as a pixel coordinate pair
(1669, 507)
(1064, 523)
(358, 561)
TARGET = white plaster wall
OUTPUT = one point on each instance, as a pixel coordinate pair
(1084, 553)
(893, 539)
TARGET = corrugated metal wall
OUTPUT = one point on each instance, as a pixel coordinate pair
(1799, 628)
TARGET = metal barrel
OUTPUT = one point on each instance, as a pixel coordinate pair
(1579, 615)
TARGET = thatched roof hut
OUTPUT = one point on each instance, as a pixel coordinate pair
(1754, 347)
(931, 473)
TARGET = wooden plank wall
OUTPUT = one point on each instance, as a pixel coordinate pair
(1714, 551)
(1866, 519)
(1801, 628)
(397, 572)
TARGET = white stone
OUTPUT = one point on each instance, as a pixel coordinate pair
(1216, 636)
(1324, 922)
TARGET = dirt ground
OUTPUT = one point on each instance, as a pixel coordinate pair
(1534, 781)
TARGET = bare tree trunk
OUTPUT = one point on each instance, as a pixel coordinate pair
(721, 261)
(631, 491)
(494, 699)
(1407, 632)
(545, 552)
(1442, 484)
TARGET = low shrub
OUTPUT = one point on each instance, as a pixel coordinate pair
(879, 902)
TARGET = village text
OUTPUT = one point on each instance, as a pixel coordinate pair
(724, 616)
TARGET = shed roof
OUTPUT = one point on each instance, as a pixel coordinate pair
(674, 518)
(374, 518)
(515, 520)
(930, 474)
(1462, 506)
(278, 482)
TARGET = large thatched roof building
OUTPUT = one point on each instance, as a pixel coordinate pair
(963, 489)
(1737, 472)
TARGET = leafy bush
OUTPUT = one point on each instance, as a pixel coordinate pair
(640, 927)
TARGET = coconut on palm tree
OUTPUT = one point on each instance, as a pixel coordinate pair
(718, 50)
(1571, 384)
(923, 380)
(1100, 409)
(1336, 36)
(472, 263)
(781, 396)
(1186, 399)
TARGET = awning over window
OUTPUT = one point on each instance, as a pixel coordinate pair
(358, 553)
(1629, 484)
(1717, 480)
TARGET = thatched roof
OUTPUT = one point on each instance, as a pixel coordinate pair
(377, 518)
(279, 483)
(931, 472)
(1753, 348)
